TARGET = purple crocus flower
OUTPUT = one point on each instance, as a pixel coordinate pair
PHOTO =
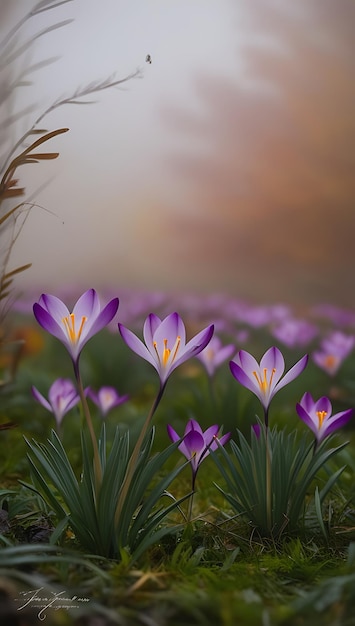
(196, 443)
(318, 416)
(265, 379)
(106, 398)
(334, 349)
(294, 332)
(165, 346)
(74, 329)
(62, 396)
(215, 354)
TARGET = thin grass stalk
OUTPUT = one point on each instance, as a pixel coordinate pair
(191, 499)
(84, 403)
(132, 463)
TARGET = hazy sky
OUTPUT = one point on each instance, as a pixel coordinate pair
(189, 175)
(112, 163)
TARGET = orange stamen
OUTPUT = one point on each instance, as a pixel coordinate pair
(166, 351)
(156, 350)
(321, 416)
(176, 346)
(69, 323)
(330, 360)
(263, 383)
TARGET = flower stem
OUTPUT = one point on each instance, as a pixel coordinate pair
(132, 463)
(97, 462)
(268, 475)
(191, 499)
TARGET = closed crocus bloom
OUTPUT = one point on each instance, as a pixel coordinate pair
(318, 416)
(76, 328)
(267, 378)
(164, 345)
(106, 398)
(196, 443)
(62, 396)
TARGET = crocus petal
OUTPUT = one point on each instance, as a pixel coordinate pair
(193, 425)
(41, 399)
(246, 362)
(219, 441)
(88, 305)
(323, 405)
(193, 442)
(71, 403)
(170, 328)
(307, 419)
(150, 326)
(337, 421)
(243, 378)
(48, 322)
(103, 318)
(223, 354)
(292, 373)
(63, 395)
(135, 344)
(173, 434)
(307, 402)
(106, 398)
(193, 447)
(224, 439)
(200, 341)
(55, 307)
(210, 434)
(273, 360)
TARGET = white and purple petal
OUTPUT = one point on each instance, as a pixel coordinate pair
(41, 399)
(135, 344)
(292, 373)
(337, 421)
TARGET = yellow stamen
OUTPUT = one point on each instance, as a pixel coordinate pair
(156, 350)
(69, 323)
(263, 383)
(167, 351)
(321, 416)
(176, 346)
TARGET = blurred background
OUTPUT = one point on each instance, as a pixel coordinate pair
(225, 165)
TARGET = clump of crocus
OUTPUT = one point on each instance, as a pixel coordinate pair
(334, 349)
(196, 445)
(215, 354)
(165, 348)
(74, 329)
(62, 396)
(106, 398)
(317, 414)
(267, 378)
